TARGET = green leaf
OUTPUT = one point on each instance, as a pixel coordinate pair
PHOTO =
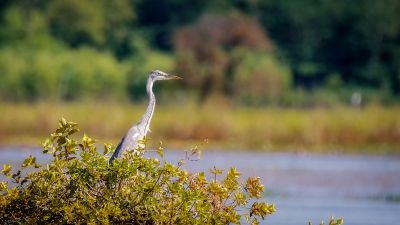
(3, 186)
(254, 187)
(87, 141)
(6, 169)
(255, 222)
(108, 148)
(29, 161)
(215, 171)
(63, 121)
(160, 152)
(73, 131)
(240, 198)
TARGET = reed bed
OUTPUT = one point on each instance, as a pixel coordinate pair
(373, 129)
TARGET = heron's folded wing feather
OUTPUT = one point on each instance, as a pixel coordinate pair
(117, 150)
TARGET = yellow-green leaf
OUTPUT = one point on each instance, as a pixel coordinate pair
(6, 169)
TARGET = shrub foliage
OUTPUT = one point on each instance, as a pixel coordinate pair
(78, 186)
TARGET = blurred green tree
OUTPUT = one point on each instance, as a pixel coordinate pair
(356, 43)
(358, 40)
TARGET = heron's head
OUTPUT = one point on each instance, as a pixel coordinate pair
(160, 75)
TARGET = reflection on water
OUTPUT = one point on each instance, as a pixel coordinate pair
(305, 187)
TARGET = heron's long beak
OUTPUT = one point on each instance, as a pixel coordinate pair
(173, 77)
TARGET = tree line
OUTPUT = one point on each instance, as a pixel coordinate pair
(251, 52)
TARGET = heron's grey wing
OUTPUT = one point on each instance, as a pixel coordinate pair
(134, 135)
(117, 151)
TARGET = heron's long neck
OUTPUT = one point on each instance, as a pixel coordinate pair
(150, 108)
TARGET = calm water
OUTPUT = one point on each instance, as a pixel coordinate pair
(305, 187)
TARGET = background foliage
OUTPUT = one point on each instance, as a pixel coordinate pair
(250, 52)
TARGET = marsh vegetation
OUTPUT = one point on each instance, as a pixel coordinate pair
(372, 129)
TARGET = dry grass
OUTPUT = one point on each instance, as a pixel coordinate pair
(370, 130)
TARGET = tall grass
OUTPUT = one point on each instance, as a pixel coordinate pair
(372, 129)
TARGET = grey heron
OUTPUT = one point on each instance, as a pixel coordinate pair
(131, 141)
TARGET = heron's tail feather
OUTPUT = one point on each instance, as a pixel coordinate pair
(117, 151)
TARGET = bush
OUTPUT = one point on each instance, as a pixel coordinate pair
(78, 186)
(332, 221)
